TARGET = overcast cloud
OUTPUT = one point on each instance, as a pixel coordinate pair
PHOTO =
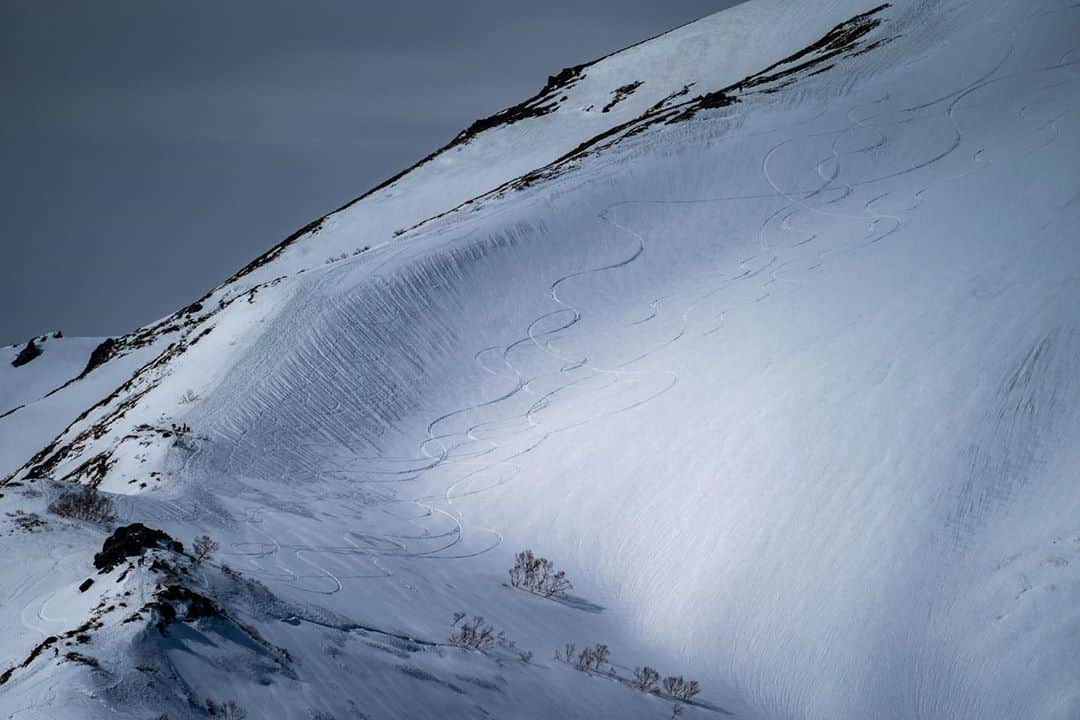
(151, 148)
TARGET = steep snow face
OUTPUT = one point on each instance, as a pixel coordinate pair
(577, 104)
(42, 398)
(709, 63)
(788, 384)
(35, 392)
(59, 360)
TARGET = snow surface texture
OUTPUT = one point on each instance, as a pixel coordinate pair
(790, 386)
(60, 360)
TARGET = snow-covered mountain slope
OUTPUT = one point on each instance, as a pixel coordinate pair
(579, 109)
(26, 376)
(781, 369)
(35, 384)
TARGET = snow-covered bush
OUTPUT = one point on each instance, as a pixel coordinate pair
(538, 575)
(84, 503)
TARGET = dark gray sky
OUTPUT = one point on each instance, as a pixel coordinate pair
(150, 147)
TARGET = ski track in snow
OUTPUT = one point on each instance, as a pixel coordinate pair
(347, 453)
(479, 451)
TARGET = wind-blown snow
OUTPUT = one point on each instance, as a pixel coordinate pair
(791, 389)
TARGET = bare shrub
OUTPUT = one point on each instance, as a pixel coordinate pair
(679, 688)
(229, 710)
(600, 656)
(83, 659)
(538, 575)
(84, 503)
(233, 711)
(557, 584)
(26, 522)
(645, 679)
(592, 659)
(203, 548)
(585, 659)
(474, 634)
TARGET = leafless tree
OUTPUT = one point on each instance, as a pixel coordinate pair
(558, 584)
(27, 522)
(204, 548)
(645, 679)
(84, 503)
(592, 659)
(521, 572)
(229, 710)
(538, 575)
(679, 688)
(600, 656)
(475, 634)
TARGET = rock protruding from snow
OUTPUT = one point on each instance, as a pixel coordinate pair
(27, 354)
(132, 541)
(101, 354)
